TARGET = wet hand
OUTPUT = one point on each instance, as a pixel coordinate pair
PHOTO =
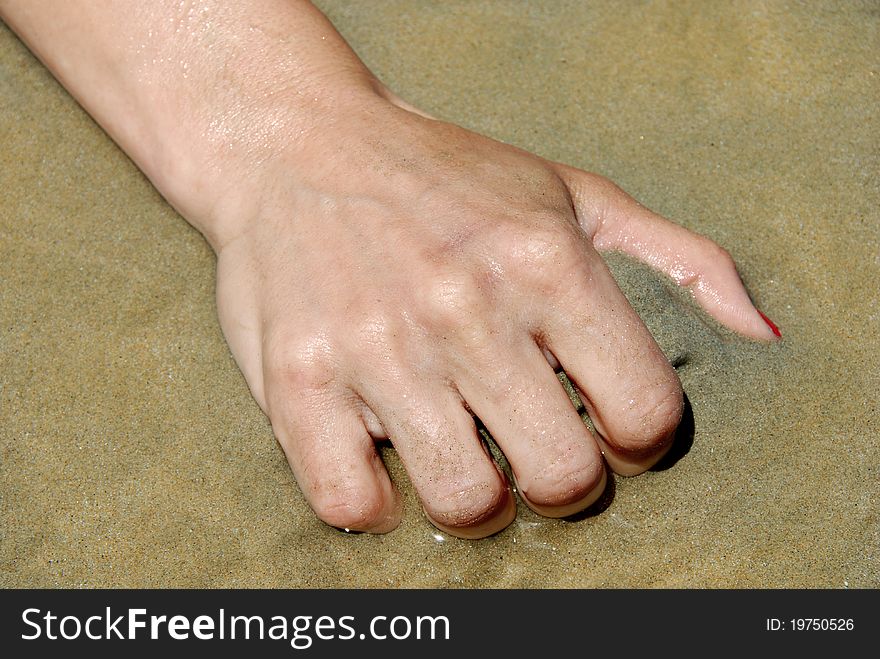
(399, 275)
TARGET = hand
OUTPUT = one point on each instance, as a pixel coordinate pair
(384, 274)
(401, 274)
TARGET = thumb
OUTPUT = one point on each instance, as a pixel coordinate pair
(617, 222)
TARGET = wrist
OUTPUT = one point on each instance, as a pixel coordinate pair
(207, 126)
(216, 171)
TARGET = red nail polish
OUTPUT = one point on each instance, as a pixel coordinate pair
(772, 325)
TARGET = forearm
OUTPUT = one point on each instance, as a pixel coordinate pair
(192, 89)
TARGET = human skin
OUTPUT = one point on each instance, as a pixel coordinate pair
(384, 274)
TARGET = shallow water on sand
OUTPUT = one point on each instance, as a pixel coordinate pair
(133, 454)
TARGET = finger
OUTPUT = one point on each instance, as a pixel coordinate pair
(630, 390)
(334, 460)
(463, 491)
(616, 221)
(557, 466)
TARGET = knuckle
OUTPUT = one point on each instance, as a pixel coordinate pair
(301, 363)
(657, 413)
(665, 411)
(348, 508)
(544, 257)
(454, 306)
(723, 257)
(715, 255)
(564, 482)
(449, 300)
(717, 250)
(469, 506)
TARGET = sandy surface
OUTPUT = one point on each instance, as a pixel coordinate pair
(133, 454)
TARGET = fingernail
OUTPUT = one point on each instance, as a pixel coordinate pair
(771, 324)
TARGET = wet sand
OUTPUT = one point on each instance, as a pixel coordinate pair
(133, 454)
